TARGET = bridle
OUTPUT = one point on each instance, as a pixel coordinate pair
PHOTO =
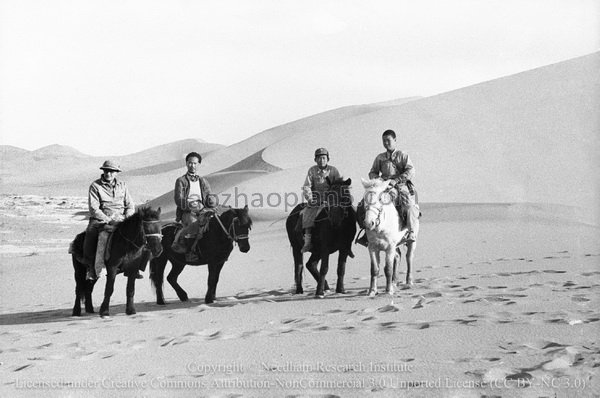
(145, 235)
(378, 210)
(231, 232)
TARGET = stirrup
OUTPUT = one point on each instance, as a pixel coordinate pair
(306, 248)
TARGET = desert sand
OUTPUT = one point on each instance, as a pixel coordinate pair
(505, 304)
(506, 294)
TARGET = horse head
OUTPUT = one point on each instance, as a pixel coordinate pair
(241, 224)
(376, 199)
(339, 199)
(151, 227)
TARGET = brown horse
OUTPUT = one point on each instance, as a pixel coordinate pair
(134, 242)
(334, 230)
(215, 247)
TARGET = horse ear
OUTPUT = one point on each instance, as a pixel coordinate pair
(348, 182)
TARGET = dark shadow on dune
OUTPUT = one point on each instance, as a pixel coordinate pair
(274, 296)
(253, 162)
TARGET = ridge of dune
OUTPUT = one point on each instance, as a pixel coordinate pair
(253, 162)
(230, 155)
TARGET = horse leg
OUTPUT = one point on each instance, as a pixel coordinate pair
(111, 274)
(176, 268)
(298, 269)
(89, 288)
(157, 275)
(397, 262)
(410, 256)
(129, 308)
(341, 272)
(213, 278)
(311, 266)
(390, 256)
(79, 286)
(374, 255)
(322, 274)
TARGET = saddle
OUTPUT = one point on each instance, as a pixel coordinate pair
(187, 238)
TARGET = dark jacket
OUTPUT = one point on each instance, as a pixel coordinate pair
(182, 190)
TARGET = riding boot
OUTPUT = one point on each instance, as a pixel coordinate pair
(412, 215)
(307, 242)
(363, 240)
(177, 247)
(191, 252)
(90, 274)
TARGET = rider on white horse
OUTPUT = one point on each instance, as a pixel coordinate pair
(395, 166)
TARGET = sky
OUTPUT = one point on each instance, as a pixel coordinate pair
(115, 77)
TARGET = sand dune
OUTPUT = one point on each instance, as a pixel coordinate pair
(530, 137)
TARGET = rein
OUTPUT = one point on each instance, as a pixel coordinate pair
(231, 233)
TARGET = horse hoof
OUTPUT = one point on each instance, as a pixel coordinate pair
(130, 312)
(299, 291)
(183, 297)
(161, 302)
(372, 293)
(76, 313)
(340, 291)
(390, 292)
(320, 296)
(105, 316)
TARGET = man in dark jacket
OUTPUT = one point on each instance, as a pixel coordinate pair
(194, 202)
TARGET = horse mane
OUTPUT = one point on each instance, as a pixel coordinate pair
(134, 221)
(374, 183)
(241, 212)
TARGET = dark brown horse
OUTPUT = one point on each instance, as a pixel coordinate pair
(215, 247)
(334, 230)
(134, 242)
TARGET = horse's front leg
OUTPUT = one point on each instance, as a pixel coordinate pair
(397, 261)
(410, 256)
(311, 266)
(89, 288)
(390, 256)
(214, 270)
(298, 268)
(80, 286)
(322, 275)
(111, 273)
(176, 268)
(129, 307)
(341, 272)
(374, 255)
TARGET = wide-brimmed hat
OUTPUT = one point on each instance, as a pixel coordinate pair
(110, 165)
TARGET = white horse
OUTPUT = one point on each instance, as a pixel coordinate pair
(384, 234)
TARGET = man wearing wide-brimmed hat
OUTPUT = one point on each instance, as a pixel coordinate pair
(109, 203)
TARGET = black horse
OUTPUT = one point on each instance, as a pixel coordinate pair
(334, 230)
(134, 241)
(215, 247)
